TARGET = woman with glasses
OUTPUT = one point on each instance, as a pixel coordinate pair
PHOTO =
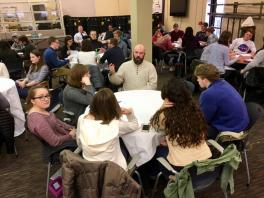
(44, 124)
(98, 131)
(37, 73)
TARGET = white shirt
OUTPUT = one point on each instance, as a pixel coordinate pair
(240, 46)
(87, 58)
(100, 142)
(78, 37)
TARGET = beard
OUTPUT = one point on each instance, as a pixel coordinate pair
(137, 60)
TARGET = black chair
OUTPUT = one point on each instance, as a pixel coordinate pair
(253, 84)
(7, 128)
(15, 68)
(255, 111)
(50, 156)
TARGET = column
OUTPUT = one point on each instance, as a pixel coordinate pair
(141, 25)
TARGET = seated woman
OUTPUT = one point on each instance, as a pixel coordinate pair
(98, 131)
(244, 45)
(37, 73)
(68, 46)
(79, 91)
(87, 56)
(211, 37)
(218, 53)
(44, 124)
(184, 126)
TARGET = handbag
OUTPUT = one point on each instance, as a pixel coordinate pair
(55, 187)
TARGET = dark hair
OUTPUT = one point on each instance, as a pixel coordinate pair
(210, 29)
(104, 106)
(76, 74)
(225, 38)
(246, 31)
(188, 32)
(208, 71)
(184, 123)
(87, 46)
(118, 32)
(205, 24)
(113, 41)
(31, 95)
(67, 38)
(52, 39)
(23, 39)
(4, 46)
(36, 67)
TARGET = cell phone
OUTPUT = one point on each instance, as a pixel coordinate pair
(56, 185)
(145, 127)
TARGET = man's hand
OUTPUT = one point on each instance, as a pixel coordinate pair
(111, 67)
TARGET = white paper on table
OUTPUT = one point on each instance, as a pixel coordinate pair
(142, 143)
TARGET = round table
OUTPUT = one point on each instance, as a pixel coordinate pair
(8, 89)
(144, 103)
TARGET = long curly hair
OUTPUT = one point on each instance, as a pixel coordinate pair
(184, 123)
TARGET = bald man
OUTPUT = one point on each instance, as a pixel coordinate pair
(135, 74)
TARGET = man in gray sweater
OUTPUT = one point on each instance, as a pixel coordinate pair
(135, 74)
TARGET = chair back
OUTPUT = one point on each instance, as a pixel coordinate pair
(95, 179)
(255, 77)
(7, 125)
(255, 111)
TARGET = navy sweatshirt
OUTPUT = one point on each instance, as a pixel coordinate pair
(223, 107)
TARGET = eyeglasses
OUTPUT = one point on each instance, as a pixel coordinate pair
(42, 98)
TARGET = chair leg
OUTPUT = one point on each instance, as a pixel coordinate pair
(244, 94)
(16, 153)
(140, 182)
(26, 135)
(225, 194)
(48, 177)
(247, 167)
(155, 185)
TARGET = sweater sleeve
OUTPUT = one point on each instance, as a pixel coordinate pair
(259, 58)
(152, 79)
(42, 128)
(55, 62)
(128, 126)
(43, 73)
(208, 107)
(118, 77)
(228, 62)
(81, 96)
(104, 57)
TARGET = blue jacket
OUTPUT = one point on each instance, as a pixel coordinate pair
(223, 107)
(52, 60)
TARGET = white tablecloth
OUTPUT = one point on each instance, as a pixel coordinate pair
(144, 103)
(8, 89)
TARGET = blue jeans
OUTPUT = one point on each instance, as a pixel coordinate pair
(22, 92)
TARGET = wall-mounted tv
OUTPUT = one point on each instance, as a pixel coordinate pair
(178, 7)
